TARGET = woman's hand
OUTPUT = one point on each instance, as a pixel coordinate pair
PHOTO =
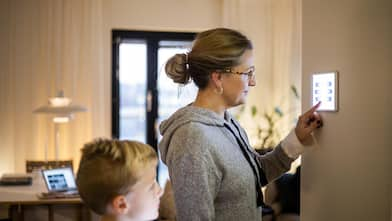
(307, 123)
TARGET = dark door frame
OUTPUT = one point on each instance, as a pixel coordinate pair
(152, 38)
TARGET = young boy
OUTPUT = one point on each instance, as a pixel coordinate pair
(117, 179)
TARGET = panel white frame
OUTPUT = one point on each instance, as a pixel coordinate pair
(336, 89)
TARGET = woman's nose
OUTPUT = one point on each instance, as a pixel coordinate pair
(252, 82)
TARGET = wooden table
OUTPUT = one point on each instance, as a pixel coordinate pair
(23, 204)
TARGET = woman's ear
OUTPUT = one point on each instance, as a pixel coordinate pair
(120, 205)
(216, 78)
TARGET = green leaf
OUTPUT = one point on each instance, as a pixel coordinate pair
(294, 90)
(278, 111)
(254, 111)
(268, 117)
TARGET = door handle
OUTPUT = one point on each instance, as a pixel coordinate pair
(149, 101)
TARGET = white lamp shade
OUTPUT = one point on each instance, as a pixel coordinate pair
(48, 109)
(60, 105)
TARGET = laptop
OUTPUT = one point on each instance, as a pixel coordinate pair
(60, 183)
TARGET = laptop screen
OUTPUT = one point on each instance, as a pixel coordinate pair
(59, 179)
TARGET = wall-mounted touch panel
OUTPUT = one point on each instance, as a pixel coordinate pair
(325, 89)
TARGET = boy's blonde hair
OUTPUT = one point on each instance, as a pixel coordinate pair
(109, 168)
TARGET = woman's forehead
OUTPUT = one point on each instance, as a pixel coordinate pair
(246, 60)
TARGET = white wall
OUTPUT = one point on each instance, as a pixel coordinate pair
(348, 175)
(7, 154)
(168, 15)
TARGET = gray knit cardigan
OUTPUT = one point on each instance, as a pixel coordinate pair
(211, 178)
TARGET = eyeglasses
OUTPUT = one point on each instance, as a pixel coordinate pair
(250, 73)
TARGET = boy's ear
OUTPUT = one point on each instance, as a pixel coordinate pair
(120, 205)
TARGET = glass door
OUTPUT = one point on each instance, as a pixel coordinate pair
(133, 84)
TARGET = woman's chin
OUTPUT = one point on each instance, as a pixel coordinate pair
(242, 100)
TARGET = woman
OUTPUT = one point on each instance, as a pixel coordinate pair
(214, 172)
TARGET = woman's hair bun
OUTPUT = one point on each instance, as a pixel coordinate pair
(177, 69)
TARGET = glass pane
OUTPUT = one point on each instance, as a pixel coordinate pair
(171, 95)
(132, 78)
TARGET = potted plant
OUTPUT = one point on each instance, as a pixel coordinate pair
(269, 123)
